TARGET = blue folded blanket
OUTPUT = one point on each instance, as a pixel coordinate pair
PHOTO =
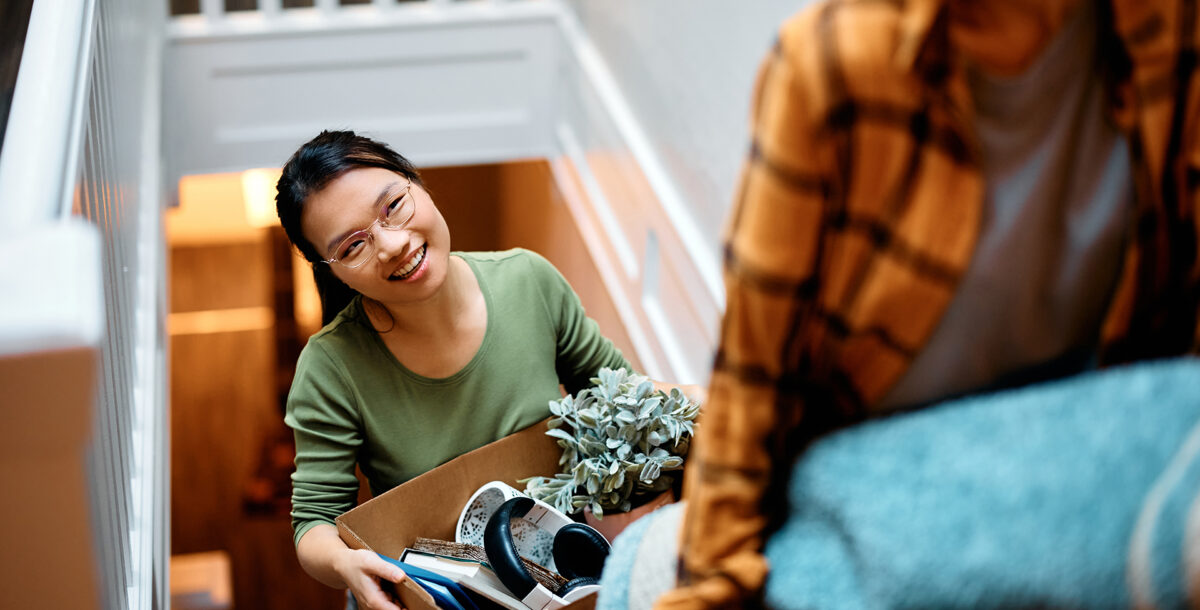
(1075, 493)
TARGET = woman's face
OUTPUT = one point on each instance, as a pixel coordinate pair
(352, 202)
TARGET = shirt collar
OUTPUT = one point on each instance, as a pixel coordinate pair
(1139, 29)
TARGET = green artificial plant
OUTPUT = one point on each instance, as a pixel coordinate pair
(620, 439)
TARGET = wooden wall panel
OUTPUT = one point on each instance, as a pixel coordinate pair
(469, 199)
(221, 276)
(226, 419)
(223, 400)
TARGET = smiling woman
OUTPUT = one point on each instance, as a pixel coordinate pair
(427, 353)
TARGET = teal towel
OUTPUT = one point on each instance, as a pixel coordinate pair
(1025, 498)
(1071, 494)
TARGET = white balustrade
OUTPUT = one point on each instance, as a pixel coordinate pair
(82, 405)
(214, 11)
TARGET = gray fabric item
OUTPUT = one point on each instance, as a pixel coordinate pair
(1079, 493)
(656, 557)
(643, 561)
(1058, 201)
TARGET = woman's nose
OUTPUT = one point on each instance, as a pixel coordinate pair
(390, 243)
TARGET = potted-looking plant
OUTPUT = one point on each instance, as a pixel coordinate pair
(623, 445)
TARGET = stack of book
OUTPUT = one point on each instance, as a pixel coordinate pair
(471, 574)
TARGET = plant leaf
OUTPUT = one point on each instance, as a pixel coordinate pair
(650, 471)
(648, 406)
(561, 434)
(644, 388)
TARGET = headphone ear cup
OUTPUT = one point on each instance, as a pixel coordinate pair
(580, 551)
(574, 585)
(501, 551)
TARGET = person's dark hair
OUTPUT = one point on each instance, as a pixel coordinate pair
(317, 163)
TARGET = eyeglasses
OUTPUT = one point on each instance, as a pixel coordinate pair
(358, 247)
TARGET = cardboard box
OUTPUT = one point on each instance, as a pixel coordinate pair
(428, 505)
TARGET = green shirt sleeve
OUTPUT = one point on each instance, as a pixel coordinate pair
(582, 349)
(321, 412)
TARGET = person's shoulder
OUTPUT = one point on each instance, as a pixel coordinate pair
(519, 273)
(345, 331)
(846, 26)
(515, 260)
(853, 41)
(501, 256)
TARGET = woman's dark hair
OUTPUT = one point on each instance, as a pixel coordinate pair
(317, 163)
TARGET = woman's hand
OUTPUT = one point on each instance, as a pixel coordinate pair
(326, 558)
(697, 393)
(362, 571)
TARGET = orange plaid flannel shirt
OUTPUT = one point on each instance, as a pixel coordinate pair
(858, 211)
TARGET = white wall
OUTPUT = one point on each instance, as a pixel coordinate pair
(686, 69)
(455, 83)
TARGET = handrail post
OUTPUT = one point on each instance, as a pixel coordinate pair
(213, 10)
(270, 9)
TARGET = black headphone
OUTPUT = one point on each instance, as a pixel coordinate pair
(579, 554)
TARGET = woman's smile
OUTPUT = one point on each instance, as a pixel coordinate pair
(413, 268)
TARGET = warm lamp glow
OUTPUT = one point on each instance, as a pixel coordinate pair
(307, 302)
(210, 211)
(258, 195)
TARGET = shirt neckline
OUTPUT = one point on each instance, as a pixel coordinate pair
(1068, 56)
(479, 353)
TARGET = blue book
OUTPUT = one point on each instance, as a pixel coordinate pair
(446, 593)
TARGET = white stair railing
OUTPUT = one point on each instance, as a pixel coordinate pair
(216, 10)
(82, 312)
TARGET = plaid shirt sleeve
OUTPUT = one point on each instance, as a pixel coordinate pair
(771, 250)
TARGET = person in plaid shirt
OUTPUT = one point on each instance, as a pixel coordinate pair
(942, 197)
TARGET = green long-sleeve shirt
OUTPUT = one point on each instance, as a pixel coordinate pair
(352, 401)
